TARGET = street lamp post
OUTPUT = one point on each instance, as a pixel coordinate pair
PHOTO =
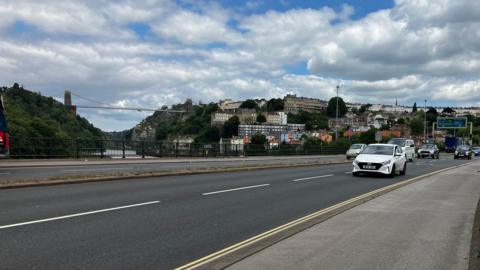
(336, 117)
(425, 123)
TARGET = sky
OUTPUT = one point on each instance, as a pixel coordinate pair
(158, 52)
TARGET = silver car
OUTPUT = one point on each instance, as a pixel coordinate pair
(355, 150)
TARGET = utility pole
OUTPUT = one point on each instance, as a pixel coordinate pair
(425, 124)
(336, 117)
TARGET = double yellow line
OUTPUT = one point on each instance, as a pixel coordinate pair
(338, 207)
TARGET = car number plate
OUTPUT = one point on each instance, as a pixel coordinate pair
(369, 167)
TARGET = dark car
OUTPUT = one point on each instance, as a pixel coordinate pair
(463, 151)
(428, 150)
(476, 151)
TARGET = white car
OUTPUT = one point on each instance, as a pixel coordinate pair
(355, 150)
(386, 159)
(408, 146)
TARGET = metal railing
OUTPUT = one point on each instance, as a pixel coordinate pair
(22, 147)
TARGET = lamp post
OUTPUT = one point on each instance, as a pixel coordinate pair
(336, 117)
(425, 124)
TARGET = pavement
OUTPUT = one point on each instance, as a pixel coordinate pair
(424, 225)
(166, 222)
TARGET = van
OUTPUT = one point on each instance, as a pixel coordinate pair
(408, 146)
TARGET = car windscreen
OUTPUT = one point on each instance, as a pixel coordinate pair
(463, 148)
(356, 146)
(397, 142)
(378, 150)
(428, 146)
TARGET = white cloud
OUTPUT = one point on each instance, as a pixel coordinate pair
(418, 49)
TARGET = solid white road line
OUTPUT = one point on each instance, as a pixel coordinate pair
(348, 172)
(99, 169)
(313, 177)
(3, 173)
(234, 189)
(77, 215)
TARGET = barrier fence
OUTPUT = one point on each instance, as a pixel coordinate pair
(21, 147)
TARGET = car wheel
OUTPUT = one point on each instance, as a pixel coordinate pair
(356, 174)
(404, 171)
(392, 173)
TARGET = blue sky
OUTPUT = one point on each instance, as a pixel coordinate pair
(161, 52)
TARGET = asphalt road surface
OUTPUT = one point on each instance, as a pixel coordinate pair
(162, 223)
(44, 172)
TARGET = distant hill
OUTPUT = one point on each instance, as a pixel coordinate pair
(30, 114)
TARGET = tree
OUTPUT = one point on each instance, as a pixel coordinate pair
(401, 121)
(249, 104)
(161, 132)
(432, 115)
(261, 118)
(332, 107)
(414, 109)
(364, 108)
(355, 110)
(231, 126)
(258, 138)
(275, 104)
(416, 125)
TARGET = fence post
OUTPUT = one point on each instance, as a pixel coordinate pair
(123, 148)
(143, 149)
(77, 149)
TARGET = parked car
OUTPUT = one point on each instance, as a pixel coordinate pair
(386, 159)
(355, 149)
(407, 145)
(463, 151)
(476, 151)
(428, 150)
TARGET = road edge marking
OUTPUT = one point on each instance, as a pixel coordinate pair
(313, 177)
(340, 207)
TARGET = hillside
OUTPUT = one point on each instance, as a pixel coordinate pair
(30, 114)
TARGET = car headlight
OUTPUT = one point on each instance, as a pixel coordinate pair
(456, 152)
(355, 162)
(386, 162)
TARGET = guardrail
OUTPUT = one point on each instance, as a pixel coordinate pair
(22, 147)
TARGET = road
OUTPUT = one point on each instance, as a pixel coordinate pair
(161, 223)
(41, 171)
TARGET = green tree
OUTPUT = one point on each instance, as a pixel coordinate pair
(249, 104)
(275, 104)
(416, 125)
(401, 121)
(259, 139)
(432, 115)
(414, 109)
(231, 126)
(332, 107)
(261, 118)
(364, 107)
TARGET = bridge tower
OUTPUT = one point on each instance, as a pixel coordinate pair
(67, 101)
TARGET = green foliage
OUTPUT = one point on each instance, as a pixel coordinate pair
(312, 120)
(209, 134)
(312, 141)
(275, 104)
(364, 108)
(32, 115)
(249, 104)
(258, 138)
(432, 115)
(401, 121)
(261, 118)
(414, 109)
(341, 142)
(332, 107)
(416, 125)
(230, 127)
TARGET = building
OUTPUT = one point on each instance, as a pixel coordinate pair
(277, 118)
(229, 105)
(220, 117)
(269, 130)
(294, 104)
(349, 121)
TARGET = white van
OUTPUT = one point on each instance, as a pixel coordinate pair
(408, 146)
